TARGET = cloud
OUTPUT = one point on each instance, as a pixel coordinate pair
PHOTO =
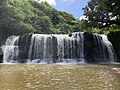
(51, 2)
(69, 1)
(65, 0)
(72, 1)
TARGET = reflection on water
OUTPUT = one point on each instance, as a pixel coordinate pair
(58, 77)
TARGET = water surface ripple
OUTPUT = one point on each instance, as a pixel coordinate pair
(59, 77)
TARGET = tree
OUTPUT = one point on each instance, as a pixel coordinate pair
(34, 17)
(102, 13)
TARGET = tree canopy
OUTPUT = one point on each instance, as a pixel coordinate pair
(102, 13)
(31, 16)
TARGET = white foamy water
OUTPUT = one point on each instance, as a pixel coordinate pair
(55, 48)
(10, 50)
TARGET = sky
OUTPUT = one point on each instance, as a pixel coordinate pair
(71, 6)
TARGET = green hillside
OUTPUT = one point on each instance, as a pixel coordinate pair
(30, 16)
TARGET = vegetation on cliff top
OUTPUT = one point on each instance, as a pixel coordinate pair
(30, 16)
(23, 16)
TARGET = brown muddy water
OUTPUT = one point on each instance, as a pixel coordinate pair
(59, 77)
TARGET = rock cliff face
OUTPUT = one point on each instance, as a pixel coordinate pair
(114, 37)
(88, 43)
(96, 48)
(24, 44)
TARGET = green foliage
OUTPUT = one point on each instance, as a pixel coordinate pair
(102, 13)
(31, 16)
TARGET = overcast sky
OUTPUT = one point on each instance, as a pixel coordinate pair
(71, 6)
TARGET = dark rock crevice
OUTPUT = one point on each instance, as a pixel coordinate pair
(1, 56)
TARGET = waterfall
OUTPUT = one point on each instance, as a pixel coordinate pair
(56, 48)
(103, 48)
(79, 36)
(79, 47)
(109, 46)
(40, 49)
(10, 50)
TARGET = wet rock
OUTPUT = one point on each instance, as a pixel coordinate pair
(70, 35)
(88, 47)
(54, 47)
(114, 37)
(24, 44)
(1, 56)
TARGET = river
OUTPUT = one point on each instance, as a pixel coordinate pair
(59, 77)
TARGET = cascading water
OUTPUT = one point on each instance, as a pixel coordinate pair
(109, 48)
(76, 48)
(10, 50)
(104, 52)
(40, 49)
(56, 48)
